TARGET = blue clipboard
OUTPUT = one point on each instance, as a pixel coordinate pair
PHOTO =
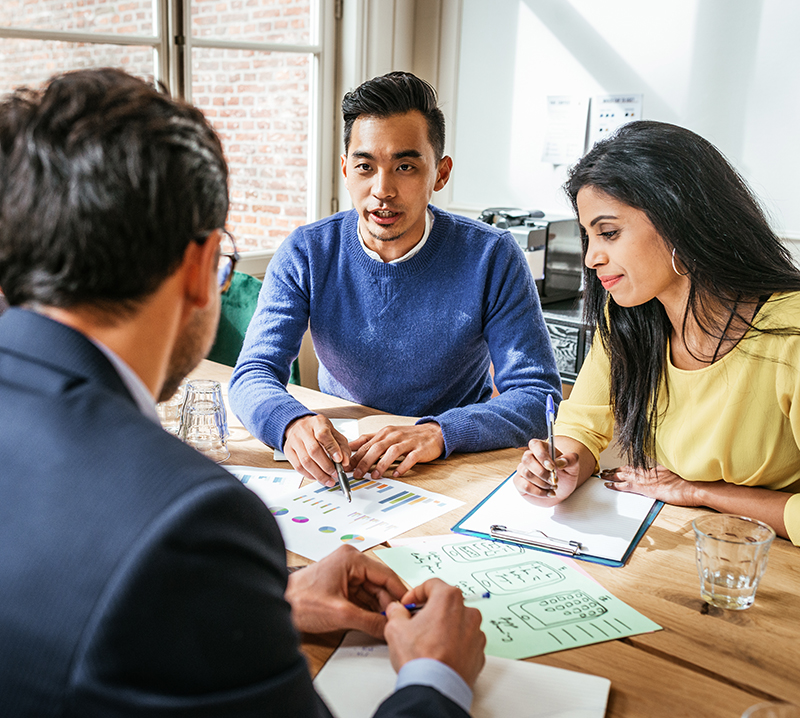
(563, 543)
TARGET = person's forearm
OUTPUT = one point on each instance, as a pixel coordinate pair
(757, 503)
(586, 461)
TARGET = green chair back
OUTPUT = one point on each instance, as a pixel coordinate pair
(238, 306)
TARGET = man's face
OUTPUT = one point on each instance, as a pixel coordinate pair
(194, 342)
(391, 172)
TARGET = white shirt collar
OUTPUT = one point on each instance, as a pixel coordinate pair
(411, 252)
(140, 393)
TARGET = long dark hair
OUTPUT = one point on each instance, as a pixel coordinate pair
(702, 209)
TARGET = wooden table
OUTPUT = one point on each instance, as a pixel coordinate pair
(707, 662)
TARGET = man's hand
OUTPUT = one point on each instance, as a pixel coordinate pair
(444, 629)
(312, 445)
(345, 590)
(377, 452)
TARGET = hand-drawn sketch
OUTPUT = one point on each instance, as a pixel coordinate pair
(518, 577)
(557, 609)
(535, 606)
(479, 550)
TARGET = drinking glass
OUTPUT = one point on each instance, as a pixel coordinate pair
(204, 423)
(731, 554)
(169, 411)
(772, 710)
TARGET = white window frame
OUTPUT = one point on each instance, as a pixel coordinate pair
(172, 44)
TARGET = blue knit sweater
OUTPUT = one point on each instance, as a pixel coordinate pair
(414, 338)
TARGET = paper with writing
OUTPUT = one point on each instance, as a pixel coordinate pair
(538, 603)
(315, 520)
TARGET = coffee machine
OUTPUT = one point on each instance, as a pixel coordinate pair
(552, 247)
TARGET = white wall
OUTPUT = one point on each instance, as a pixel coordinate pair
(726, 69)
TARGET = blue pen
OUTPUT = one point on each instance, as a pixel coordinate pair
(550, 414)
(414, 607)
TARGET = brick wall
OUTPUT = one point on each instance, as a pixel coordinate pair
(257, 101)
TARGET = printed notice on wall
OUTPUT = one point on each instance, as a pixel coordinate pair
(608, 112)
(566, 129)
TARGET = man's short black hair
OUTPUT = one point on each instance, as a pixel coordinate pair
(104, 181)
(395, 94)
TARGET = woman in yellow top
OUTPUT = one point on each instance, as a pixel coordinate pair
(696, 357)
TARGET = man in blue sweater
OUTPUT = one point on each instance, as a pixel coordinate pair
(408, 305)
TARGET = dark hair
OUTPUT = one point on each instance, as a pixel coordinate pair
(395, 94)
(104, 181)
(702, 208)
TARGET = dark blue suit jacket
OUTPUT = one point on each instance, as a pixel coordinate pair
(136, 576)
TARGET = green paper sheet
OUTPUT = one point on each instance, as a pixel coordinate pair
(539, 604)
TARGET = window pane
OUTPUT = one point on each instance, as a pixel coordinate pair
(31, 62)
(129, 17)
(259, 104)
(286, 21)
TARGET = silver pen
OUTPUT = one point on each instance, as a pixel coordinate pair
(344, 484)
(550, 414)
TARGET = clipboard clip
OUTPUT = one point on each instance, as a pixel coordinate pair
(536, 538)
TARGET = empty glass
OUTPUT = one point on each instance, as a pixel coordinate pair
(772, 710)
(169, 411)
(204, 423)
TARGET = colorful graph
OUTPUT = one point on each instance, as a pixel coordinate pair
(379, 510)
(300, 519)
(393, 501)
(279, 511)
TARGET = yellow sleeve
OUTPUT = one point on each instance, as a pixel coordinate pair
(791, 518)
(586, 416)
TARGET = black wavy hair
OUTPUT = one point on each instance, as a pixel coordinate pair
(104, 180)
(701, 207)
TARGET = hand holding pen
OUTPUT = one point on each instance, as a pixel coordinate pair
(550, 415)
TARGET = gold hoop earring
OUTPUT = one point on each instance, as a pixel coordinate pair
(674, 268)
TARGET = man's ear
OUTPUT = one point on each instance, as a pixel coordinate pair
(343, 160)
(443, 172)
(200, 269)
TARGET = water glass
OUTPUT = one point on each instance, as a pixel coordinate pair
(731, 553)
(772, 710)
(169, 411)
(204, 423)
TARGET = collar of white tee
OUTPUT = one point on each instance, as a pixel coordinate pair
(140, 393)
(411, 252)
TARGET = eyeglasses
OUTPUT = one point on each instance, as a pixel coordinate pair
(228, 256)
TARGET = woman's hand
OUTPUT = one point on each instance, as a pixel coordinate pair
(657, 483)
(534, 481)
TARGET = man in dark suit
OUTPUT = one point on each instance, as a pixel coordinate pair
(136, 576)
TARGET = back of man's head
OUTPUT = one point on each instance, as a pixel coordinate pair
(104, 181)
(395, 94)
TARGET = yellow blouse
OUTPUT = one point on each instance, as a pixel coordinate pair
(737, 420)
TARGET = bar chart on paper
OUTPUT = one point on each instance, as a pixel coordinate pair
(315, 520)
(268, 484)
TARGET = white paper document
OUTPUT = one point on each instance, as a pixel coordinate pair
(605, 522)
(359, 676)
(315, 520)
(267, 484)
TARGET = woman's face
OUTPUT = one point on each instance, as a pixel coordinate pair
(631, 260)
